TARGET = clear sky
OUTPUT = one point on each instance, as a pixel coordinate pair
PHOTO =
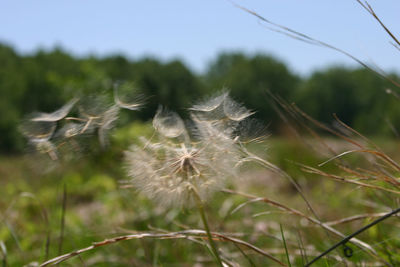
(195, 31)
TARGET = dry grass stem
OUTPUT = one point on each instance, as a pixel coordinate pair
(356, 218)
(355, 241)
(339, 178)
(194, 233)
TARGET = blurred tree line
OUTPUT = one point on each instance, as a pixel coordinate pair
(44, 81)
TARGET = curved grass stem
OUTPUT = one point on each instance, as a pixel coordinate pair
(347, 238)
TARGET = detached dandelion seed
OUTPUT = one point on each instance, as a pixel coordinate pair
(48, 132)
(56, 115)
(134, 100)
(39, 134)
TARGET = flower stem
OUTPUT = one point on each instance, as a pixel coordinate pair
(200, 206)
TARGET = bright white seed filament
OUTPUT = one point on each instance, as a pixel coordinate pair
(186, 159)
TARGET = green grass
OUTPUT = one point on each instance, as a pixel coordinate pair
(98, 206)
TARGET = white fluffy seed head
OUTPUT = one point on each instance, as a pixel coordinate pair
(56, 115)
(221, 107)
(222, 112)
(172, 169)
(170, 172)
(168, 123)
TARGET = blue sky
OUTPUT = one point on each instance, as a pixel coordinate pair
(195, 31)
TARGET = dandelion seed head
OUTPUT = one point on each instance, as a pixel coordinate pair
(210, 104)
(98, 115)
(225, 116)
(56, 115)
(168, 123)
(70, 130)
(251, 130)
(220, 107)
(107, 122)
(92, 106)
(45, 147)
(37, 131)
(235, 111)
(183, 160)
(127, 96)
(170, 170)
(169, 173)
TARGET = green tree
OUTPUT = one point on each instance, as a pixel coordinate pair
(171, 84)
(249, 78)
(357, 96)
(11, 90)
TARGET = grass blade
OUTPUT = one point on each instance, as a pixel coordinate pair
(284, 243)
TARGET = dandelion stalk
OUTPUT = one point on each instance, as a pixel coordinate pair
(189, 162)
(200, 206)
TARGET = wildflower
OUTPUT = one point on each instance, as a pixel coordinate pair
(188, 162)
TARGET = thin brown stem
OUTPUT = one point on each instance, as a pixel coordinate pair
(194, 233)
(364, 246)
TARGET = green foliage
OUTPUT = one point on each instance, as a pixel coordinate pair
(357, 96)
(98, 207)
(171, 84)
(44, 81)
(249, 78)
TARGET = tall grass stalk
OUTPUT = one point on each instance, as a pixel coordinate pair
(285, 246)
(62, 219)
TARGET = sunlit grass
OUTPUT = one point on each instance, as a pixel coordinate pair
(99, 206)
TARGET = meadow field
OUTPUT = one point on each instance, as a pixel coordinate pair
(115, 161)
(50, 208)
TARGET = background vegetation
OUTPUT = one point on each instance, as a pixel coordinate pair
(49, 208)
(45, 80)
